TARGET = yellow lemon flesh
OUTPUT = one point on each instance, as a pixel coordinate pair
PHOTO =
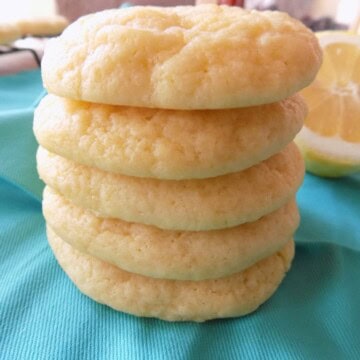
(330, 138)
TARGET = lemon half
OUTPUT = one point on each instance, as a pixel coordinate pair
(330, 138)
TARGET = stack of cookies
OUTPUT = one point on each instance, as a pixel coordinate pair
(166, 148)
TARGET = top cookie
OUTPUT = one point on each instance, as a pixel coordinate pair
(202, 57)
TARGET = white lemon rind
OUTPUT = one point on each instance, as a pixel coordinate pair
(333, 148)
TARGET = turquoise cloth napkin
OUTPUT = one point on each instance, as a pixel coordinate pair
(314, 315)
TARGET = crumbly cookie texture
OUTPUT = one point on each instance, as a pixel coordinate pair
(203, 57)
(173, 300)
(205, 204)
(166, 254)
(166, 144)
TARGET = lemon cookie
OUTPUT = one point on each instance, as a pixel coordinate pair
(42, 26)
(203, 57)
(8, 33)
(167, 254)
(205, 204)
(173, 300)
(166, 144)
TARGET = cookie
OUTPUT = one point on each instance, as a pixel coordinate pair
(166, 254)
(204, 204)
(166, 144)
(42, 26)
(186, 57)
(173, 300)
(8, 33)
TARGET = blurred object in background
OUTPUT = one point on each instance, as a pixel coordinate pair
(24, 26)
(222, 2)
(42, 25)
(23, 54)
(316, 14)
(8, 33)
(73, 9)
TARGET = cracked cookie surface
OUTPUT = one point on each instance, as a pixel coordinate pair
(166, 144)
(186, 57)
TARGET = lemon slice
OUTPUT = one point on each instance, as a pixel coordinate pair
(330, 138)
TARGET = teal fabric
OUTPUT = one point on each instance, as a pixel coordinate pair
(314, 315)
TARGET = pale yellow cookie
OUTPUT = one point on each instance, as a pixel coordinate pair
(205, 204)
(173, 300)
(203, 57)
(166, 254)
(42, 26)
(166, 144)
(8, 33)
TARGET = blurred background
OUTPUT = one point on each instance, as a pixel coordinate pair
(341, 11)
